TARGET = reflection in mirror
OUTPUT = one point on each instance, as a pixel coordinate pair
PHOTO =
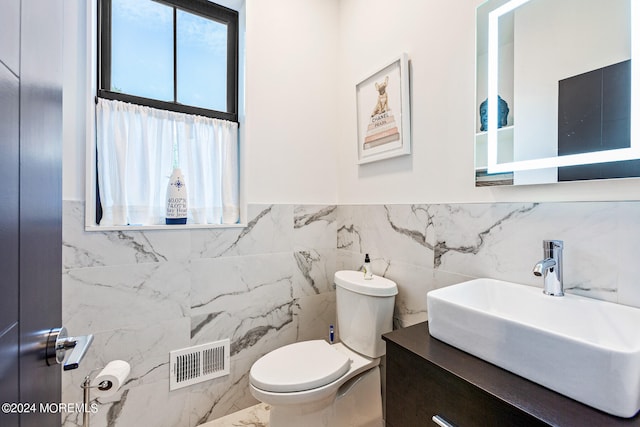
(563, 68)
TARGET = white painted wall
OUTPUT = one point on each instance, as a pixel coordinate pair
(290, 130)
(303, 60)
(439, 37)
(75, 99)
(292, 105)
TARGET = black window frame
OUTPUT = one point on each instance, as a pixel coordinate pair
(203, 8)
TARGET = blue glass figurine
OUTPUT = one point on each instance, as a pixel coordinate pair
(503, 113)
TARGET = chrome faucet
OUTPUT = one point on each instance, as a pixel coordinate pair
(551, 267)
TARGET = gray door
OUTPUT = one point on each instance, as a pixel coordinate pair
(30, 204)
(9, 208)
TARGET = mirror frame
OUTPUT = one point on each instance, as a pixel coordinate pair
(633, 152)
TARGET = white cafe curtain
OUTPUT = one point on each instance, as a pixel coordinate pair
(135, 147)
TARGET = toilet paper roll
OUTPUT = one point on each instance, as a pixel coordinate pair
(111, 378)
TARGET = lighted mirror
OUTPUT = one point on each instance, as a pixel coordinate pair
(555, 93)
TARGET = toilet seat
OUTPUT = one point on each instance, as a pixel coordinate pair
(358, 365)
(298, 367)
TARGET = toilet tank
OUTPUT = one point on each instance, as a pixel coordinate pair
(364, 311)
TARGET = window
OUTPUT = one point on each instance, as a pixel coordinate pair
(177, 55)
(167, 105)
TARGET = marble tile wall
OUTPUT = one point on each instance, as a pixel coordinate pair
(143, 294)
(424, 247)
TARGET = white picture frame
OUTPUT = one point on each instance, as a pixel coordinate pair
(383, 112)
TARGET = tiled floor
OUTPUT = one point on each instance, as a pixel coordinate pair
(254, 416)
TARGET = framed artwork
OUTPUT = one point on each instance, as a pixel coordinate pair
(382, 101)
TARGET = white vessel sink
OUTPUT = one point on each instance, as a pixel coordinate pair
(583, 348)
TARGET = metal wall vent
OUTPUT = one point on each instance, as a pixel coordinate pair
(199, 363)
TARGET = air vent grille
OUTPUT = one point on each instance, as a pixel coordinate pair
(200, 363)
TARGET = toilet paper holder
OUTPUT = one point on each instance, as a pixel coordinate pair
(104, 386)
(86, 387)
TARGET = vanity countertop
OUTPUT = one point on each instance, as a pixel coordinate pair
(539, 402)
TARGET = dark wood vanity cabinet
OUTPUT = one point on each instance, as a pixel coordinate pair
(426, 377)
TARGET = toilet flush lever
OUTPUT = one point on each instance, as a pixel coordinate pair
(58, 343)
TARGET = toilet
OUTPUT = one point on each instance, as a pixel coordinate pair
(317, 384)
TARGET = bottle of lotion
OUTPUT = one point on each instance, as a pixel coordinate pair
(368, 274)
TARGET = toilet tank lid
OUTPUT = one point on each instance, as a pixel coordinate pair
(355, 282)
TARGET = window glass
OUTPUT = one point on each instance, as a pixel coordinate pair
(142, 49)
(201, 46)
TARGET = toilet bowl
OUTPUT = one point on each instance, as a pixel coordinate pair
(317, 384)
